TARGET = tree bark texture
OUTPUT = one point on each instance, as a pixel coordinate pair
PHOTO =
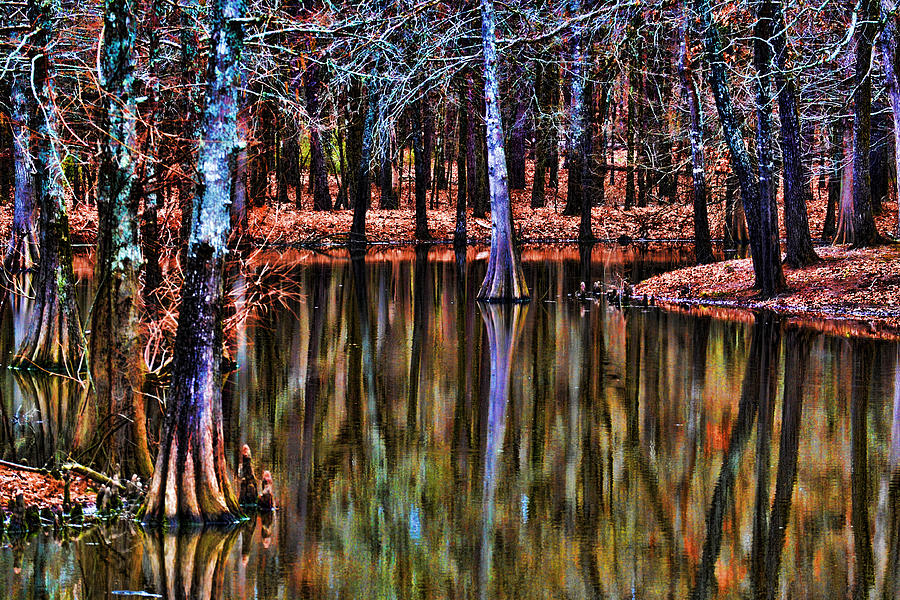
(702, 245)
(504, 281)
(22, 251)
(191, 482)
(363, 181)
(53, 339)
(797, 193)
(864, 231)
(761, 217)
(889, 49)
(116, 361)
(421, 167)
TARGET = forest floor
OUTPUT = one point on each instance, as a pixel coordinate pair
(41, 489)
(850, 291)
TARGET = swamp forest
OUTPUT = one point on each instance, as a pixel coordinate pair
(449, 299)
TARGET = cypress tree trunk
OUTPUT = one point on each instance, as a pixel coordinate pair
(116, 361)
(702, 246)
(504, 281)
(766, 210)
(421, 173)
(191, 483)
(356, 114)
(761, 219)
(190, 111)
(22, 251)
(53, 339)
(797, 193)
(864, 231)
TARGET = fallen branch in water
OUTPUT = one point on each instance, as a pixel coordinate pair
(93, 475)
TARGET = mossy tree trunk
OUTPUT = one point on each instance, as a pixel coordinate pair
(504, 281)
(191, 483)
(53, 339)
(116, 362)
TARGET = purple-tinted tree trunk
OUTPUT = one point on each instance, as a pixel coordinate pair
(191, 482)
(504, 281)
(889, 49)
(53, 339)
(22, 251)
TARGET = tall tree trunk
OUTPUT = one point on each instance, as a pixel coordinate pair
(761, 218)
(22, 251)
(190, 112)
(577, 130)
(421, 165)
(702, 245)
(53, 339)
(797, 193)
(629, 140)
(191, 483)
(504, 281)
(766, 210)
(318, 171)
(149, 183)
(356, 115)
(363, 182)
(889, 49)
(460, 235)
(835, 171)
(864, 231)
(542, 135)
(117, 366)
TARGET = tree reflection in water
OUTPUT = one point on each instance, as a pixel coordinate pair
(566, 449)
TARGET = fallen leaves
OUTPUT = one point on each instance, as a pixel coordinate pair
(42, 490)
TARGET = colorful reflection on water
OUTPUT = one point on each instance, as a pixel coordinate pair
(425, 446)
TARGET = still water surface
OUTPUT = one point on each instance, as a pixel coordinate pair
(426, 446)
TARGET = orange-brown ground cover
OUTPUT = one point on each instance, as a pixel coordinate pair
(42, 490)
(861, 285)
